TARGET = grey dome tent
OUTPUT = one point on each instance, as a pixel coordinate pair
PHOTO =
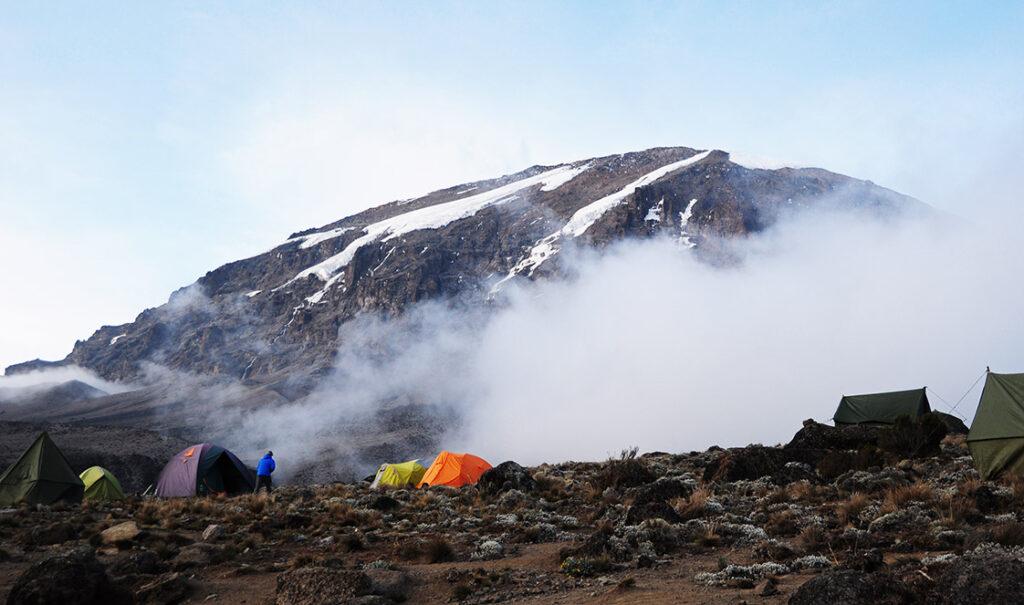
(996, 439)
(881, 408)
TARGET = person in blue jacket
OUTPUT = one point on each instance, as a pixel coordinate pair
(264, 469)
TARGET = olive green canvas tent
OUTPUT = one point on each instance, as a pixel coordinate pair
(996, 439)
(41, 476)
(881, 408)
(101, 485)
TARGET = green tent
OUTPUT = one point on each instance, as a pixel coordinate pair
(101, 485)
(399, 474)
(881, 408)
(997, 433)
(41, 476)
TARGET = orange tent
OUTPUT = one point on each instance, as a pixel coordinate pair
(454, 470)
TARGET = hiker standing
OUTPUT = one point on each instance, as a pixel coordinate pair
(264, 469)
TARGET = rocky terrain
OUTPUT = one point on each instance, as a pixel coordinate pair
(839, 515)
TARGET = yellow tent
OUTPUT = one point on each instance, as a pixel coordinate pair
(401, 474)
(101, 485)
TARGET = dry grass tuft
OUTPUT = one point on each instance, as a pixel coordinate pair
(850, 510)
(898, 497)
(695, 505)
(1009, 534)
(812, 539)
(782, 523)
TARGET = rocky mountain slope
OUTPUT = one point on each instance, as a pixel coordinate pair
(277, 314)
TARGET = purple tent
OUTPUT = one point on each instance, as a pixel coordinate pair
(203, 469)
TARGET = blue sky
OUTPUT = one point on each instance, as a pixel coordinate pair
(141, 146)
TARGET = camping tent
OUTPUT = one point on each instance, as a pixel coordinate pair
(203, 469)
(997, 433)
(454, 470)
(41, 476)
(399, 474)
(101, 485)
(881, 408)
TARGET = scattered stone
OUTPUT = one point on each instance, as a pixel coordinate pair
(121, 533)
(212, 533)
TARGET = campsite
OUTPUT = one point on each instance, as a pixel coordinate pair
(896, 502)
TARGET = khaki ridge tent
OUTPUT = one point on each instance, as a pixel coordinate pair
(41, 476)
(996, 439)
(101, 485)
(881, 408)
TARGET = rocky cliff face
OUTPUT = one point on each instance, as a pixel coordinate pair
(276, 315)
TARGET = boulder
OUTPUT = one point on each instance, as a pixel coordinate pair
(167, 590)
(321, 586)
(815, 439)
(120, 533)
(72, 578)
(751, 462)
(851, 587)
(980, 579)
(504, 477)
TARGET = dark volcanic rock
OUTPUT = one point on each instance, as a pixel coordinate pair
(504, 477)
(750, 463)
(850, 587)
(980, 580)
(814, 440)
(73, 578)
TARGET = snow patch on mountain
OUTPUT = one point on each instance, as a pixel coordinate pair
(308, 241)
(654, 214)
(431, 217)
(684, 220)
(585, 217)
